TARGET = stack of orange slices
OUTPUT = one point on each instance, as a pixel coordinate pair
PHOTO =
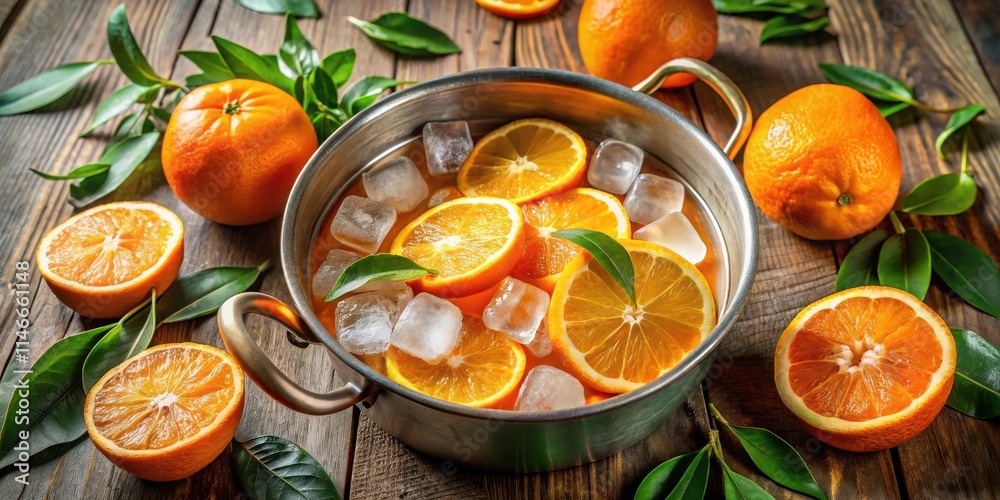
(522, 183)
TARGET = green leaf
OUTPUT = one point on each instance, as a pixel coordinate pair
(339, 65)
(364, 92)
(323, 88)
(869, 82)
(752, 7)
(129, 338)
(959, 119)
(976, 391)
(209, 62)
(946, 194)
(124, 158)
(245, 63)
(133, 125)
(664, 478)
(269, 467)
(297, 8)
(786, 26)
(777, 460)
(118, 102)
(296, 56)
(325, 125)
(399, 32)
(55, 397)
(203, 292)
(83, 172)
(860, 266)
(739, 487)
(44, 88)
(694, 480)
(967, 270)
(377, 267)
(127, 53)
(160, 114)
(610, 254)
(888, 109)
(905, 263)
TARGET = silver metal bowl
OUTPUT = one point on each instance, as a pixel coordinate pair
(503, 440)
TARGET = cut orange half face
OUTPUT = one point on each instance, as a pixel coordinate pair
(472, 242)
(615, 346)
(519, 9)
(865, 369)
(104, 261)
(545, 256)
(524, 161)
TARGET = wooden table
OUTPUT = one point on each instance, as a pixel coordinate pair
(948, 50)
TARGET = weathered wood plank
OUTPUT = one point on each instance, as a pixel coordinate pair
(926, 46)
(48, 33)
(742, 382)
(982, 24)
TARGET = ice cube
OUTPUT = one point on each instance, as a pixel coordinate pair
(675, 232)
(447, 145)
(614, 166)
(549, 388)
(541, 346)
(397, 183)
(362, 223)
(652, 196)
(365, 320)
(442, 195)
(516, 310)
(326, 276)
(428, 328)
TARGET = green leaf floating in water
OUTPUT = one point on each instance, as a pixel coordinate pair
(947, 194)
(378, 267)
(610, 254)
(860, 266)
(905, 263)
(976, 391)
(399, 32)
(269, 467)
(967, 270)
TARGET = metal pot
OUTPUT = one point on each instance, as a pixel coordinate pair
(502, 440)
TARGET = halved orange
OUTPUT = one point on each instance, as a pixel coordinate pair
(472, 242)
(523, 161)
(519, 9)
(615, 346)
(865, 369)
(167, 412)
(544, 256)
(104, 261)
(485, 367)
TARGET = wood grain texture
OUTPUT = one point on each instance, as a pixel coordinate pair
(741, 384)
(924, 44)
(982, 24)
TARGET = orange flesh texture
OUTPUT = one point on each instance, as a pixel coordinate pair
(665, 331)
(519, 9)
(476, 225)
(474, 305)
(866, 358)
(157, 401)
(109, 247)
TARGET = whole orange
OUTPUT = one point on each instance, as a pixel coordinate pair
(823, 163)
(626, 40)
(233, 149)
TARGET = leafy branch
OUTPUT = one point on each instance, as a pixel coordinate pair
(787, 18)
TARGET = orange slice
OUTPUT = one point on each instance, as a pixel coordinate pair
(167, 412)
(615, 346)
(104, 261)
(519, 9)
(865, 369)
(472, 242)
(544, 256)
(523, 161)
(484, 368)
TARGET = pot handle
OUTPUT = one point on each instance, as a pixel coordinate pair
(262, 371)
(720, 83)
